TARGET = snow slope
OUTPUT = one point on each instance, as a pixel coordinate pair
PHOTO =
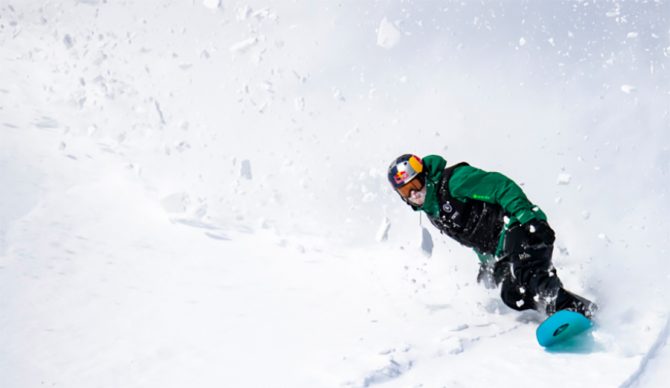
(192, 192)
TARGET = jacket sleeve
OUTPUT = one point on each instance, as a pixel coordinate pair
(493, 187)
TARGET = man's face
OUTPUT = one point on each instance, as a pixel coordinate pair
(414, 192)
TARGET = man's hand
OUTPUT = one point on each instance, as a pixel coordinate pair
(540, 232)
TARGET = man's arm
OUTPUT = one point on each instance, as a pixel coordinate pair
(494, 187)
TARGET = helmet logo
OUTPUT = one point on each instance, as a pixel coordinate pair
(447, 207)
(400, 177)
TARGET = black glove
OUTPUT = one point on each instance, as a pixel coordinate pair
(539, 232)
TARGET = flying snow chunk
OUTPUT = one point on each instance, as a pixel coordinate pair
(175, 203)
(451, 345)
(46, 122)
(383, 231)
(299, 104)
(67, 41)
(337, 94)
(426, 242)
(211, 4)
(368, 197)
(245, 169)
(564, 179)
(388, 34)
(614, 12)
(632, 35)
(244, 45)
(243, 13)
(628, 89)
(522, 41)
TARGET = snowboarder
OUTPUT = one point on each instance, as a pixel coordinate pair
(490, 213)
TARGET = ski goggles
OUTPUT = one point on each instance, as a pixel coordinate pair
(413, 185)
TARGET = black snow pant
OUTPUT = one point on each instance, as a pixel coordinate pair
(526, 274)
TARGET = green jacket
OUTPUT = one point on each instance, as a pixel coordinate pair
(468, 183)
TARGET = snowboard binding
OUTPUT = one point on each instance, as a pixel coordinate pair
(566, 300)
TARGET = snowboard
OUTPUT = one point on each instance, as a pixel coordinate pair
(561, 326)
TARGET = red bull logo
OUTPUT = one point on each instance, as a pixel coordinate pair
(400, 177)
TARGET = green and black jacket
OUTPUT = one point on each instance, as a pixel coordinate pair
(473, 206)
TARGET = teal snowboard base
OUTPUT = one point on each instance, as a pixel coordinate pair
(561, 326)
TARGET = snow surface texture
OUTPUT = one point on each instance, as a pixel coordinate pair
(193, 193)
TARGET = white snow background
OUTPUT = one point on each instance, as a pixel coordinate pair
(193, 193)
